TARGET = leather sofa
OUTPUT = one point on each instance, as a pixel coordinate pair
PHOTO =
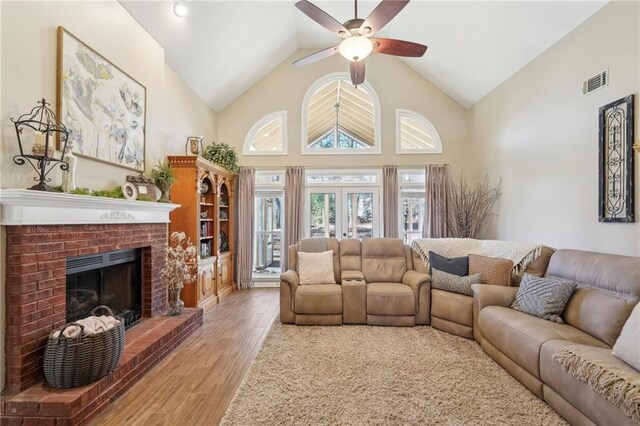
(377, 285)
(453, 312)
(524, 345)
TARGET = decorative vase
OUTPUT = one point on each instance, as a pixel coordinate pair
(176, 305)
(164, 189)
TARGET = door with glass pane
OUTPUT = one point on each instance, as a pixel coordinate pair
(342, 212)
(268, 234)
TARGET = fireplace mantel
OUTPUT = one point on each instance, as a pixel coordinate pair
(25, 207)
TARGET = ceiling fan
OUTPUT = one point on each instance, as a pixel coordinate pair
(356, 35)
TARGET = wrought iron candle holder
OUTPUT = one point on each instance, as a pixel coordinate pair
(42, 157)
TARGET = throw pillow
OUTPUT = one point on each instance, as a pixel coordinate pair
(454, 283)
(494, 270)
(456, 265)
(543, 297)
(627, 347)
(316, 268)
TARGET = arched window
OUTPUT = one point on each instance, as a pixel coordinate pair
(268, 136)
(338, 118)
(415, 134)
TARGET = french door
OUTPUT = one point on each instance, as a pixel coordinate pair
(342, 212)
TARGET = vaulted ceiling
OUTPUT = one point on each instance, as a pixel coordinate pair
(222, 48)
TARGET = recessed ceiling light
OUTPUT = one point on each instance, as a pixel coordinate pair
(180, 9)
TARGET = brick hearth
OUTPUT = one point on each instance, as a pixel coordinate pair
(36, 283)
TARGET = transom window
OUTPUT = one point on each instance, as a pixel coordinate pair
(339, 118)
(416, 134)
(268, 136)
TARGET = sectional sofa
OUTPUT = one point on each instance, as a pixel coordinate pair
(382, 282)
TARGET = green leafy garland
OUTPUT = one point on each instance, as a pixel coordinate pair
(222, 155)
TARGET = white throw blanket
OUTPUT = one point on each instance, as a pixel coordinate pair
(521, 254)
(92, 325)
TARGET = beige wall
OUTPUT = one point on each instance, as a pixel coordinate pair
(173, 110)
(28, 72)
(540, 135)
(397, 86)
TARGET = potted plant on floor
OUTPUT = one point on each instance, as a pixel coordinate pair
(178, 269)
(163, 177)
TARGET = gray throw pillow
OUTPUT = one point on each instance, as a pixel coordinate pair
(454, 283)
(543, 297)
(454, 265)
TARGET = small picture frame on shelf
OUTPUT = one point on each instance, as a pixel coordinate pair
(194, 145)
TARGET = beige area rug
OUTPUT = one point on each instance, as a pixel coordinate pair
(359, 375)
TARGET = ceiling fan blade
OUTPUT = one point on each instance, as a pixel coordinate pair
(317, 56)
(322, 18)
(381, 16)
(357, 72)
(389, 46)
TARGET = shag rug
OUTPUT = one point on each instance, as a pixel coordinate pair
(364, 375)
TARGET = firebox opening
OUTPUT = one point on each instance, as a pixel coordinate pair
(113, 279)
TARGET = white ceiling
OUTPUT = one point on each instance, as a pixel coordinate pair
(222, 48)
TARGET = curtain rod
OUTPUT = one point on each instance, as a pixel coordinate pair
(343, 167)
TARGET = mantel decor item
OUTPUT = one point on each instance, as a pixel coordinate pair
(164, 177)
(41, 126)
(177, 271)
(194, 145)
(103, 106)
(616, 161)
(223, 155)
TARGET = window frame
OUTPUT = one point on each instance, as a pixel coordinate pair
(435, 136)
(376, 149)
(409, 186)
(246, 150)
(260, 189)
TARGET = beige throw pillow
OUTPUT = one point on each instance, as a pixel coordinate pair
(627, 347)
(316, 268)
(495, 271)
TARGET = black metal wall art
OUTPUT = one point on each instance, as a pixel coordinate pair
(616, 169)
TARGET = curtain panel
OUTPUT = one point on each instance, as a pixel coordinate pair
(437, 188)
(246, 207)
(390, 194)
(293, 210)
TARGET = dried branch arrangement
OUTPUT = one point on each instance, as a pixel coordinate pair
(469, 207)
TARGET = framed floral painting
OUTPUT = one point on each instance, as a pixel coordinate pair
(104, 107)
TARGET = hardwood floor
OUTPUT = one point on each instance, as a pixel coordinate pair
(196, 383)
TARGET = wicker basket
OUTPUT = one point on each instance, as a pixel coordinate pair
(75, 362)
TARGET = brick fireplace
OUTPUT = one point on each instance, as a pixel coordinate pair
(36, 282)
(45, 230)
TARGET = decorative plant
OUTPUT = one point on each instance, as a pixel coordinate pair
(177, 271)
(163, 175)
(222, 155)
(468, 208)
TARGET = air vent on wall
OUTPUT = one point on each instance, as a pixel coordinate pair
(596, 82)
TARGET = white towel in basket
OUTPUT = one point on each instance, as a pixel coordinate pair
(92, 325)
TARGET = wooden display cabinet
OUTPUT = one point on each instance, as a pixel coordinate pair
(206, 215)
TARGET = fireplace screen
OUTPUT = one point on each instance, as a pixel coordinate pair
(112, 279)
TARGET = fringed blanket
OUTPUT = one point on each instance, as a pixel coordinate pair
(521, 254)
(611, 378)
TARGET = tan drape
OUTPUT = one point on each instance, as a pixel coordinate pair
(246, 206)
(390, 196)
(437, 186)
(293, 209)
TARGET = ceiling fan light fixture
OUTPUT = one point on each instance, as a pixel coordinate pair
(355, 48)
(180, 9)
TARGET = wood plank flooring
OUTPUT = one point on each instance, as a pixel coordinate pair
(196, 383)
